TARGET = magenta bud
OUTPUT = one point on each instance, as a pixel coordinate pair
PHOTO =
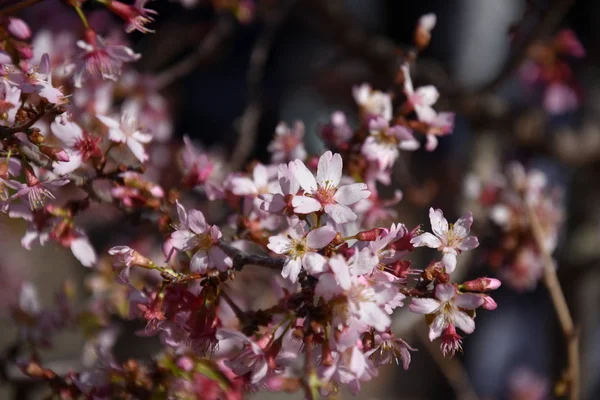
(371, 235)
(488, 303)
(18, 28)
(482, 284)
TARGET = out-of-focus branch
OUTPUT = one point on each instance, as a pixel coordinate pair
(213, 43)
(248, 127)
(241, 258)
(560, 305)
(452, 369)
(19, 5)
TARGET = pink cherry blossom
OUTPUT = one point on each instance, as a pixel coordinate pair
(36, 190)
(388, 349)
(446, 308)
(251, 359)
(277, 201)
(373, 102)
(9, 103)
(421, 99)
(324, 193)
(450, 240)
(383, 144)
(350, 367)
(100, 59)
(194, 234)
(337, 133)
(81, 146)
(288, 145)
(196, 166)
(37, 79)
(301, 246)
(440, 125)
(136, 16)
(127, 131)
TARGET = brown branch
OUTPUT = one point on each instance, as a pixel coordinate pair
(20, 5)
(453, 370)
(249, 121)
(241, 258)
(211, 45)
(560, 305)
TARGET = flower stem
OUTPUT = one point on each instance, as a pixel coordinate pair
(560, 304)
(82, 17)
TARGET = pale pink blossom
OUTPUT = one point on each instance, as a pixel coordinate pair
(10, 97)
(337, 133)
(38, 190)
(251, 359)
(388, 349)
(349, 367)
(81, 146)
(258, 184)
(100, 59)
(559, 98)
(277, 201)
(301, 246)
(288, 144)
(136, 16)
(441, 124)
(127, 131)
(196, 166)
(37, 79)
(384, 142)
(427, 22)
(195, 234)
(422, 98)
(447, 309)
(450, 240)
(323, 194)
(373, 102)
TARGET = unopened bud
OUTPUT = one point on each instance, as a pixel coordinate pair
(371, 234)
(18, 28)
(3, 169)
(423, 31)
(30, 177)
(55, 153)
(488, 302)
(481, 285)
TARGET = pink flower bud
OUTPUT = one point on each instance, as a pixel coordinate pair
(185, 363)
(55, 153)
(371, 235)
(482, 284)
(488, 303)
(18, 28)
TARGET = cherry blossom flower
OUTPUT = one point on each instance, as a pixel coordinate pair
(337, 133)
(349, 367)
(81, 146)
(38, 80)
(450, 240)
(244, 186)
(301, 248)
(194, 234)
(277, 201)
(373, 102)
(388, 349)
(196, 166)
(9, 103)
(324, 193)
(136, 16)
(421, 99)
(382, 145)
(100, 59)
(288, 145)
(446, 308)
(251, 359)
(440, 125)
(127, 131)
(36, 190)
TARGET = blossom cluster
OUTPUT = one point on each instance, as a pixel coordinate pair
(81, 131)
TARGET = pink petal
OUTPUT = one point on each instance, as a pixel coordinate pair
(468, 301)
(327, 287)
(243, 186)
(468, 243)
(426, 239)
(449, 262)
(339, 213)
(462, 226)
(303, 176)
(279, 244)
(137, 149)
(199, 262)
(428, 95)
(350, 194)
(439, 224)
(314, 263)
(445, 292)
(181, 214)
(432, 143)
(219, 259)
(341, 272)
(305, 205)
(83, 251)
(183, 240)
(329, 170)
(424, 306)
(196, 221)
(68, 133)
(437, 327)
(320, 237)
(464, 322)
(291, 269)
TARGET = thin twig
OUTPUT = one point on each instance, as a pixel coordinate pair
(241, 258)
(259, 56)
(20, 5)
(452, 369)
(212, 44)
(560, 304)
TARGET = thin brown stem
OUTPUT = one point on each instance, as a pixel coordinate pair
(452, 368)
(9, 10)
(241, 258)
(560, 305)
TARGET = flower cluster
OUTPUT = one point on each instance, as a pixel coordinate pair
(82, 132)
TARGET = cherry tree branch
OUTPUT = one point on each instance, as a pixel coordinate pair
(241, 258)
(560, 305)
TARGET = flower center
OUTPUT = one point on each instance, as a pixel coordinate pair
(382, 137)
(325, 194)
(297, 248)
(204, 241)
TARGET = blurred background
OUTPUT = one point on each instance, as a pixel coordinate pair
(231, 70)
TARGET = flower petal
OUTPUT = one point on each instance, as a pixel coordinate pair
(279, 244)
(314, 263)
(350, 194)
(329, 170)
(197, 222)
(339, 213)
(424, 306)
(341, 271)
(445, 292)
(320, 237)
(449, 262)
(426, 239)
(199, 262)
(468, 243)
(303, 176)
(439, 224)
(462, 226)
(464, 322)
(291, 269)
(437, 327)
(305, 205)
(468, 301)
